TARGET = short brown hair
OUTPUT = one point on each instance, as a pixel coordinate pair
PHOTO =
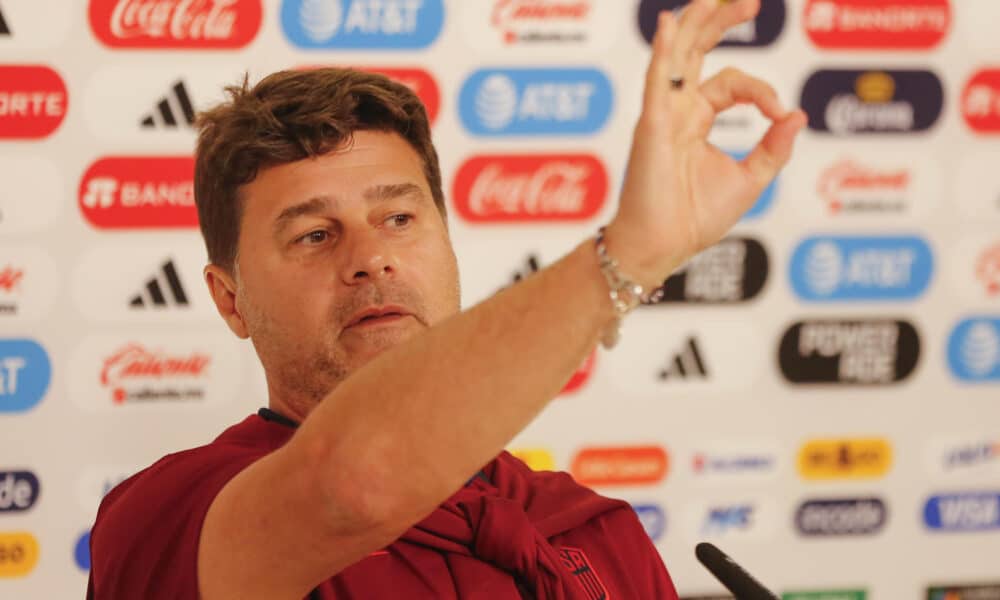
(286, 117)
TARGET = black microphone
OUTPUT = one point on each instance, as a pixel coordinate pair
(739, 582)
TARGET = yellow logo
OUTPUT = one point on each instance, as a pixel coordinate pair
(875, 87)
(859, 458)
(18, 554)
(538, 459)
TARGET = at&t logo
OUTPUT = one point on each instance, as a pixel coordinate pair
(974, 350)
(362, 24)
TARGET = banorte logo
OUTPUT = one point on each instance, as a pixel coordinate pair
(981, 101)
(847, 102)
(877, 24)
(132, 192)
(530, 188)
(137, 374)
(857, 458)
(18, 554)
(175, 24)
(620, 466)
(33, 101)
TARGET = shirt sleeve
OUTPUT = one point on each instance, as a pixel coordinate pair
(144, 543)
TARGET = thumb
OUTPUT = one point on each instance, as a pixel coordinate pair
(775, 148)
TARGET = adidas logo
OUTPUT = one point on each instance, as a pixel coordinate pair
(686, 363)
(153, 292)
(531, 266)
(4, 30)
(176, 104)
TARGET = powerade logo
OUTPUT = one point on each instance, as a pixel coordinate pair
(974, 350)
(858, 352)
(854, 516)
(501, 102)
(959, 591)
(731, 271)
(18, 490)
(763, 30)
(362, 24)
(972, 511)
(25, 372)
(653, 519)
(861, 268)
(845, 102)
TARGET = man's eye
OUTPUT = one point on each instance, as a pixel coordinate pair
(400, 220)
(315, 237)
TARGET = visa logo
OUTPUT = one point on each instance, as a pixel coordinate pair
(861, 268)
(362, 24)
(501, 102)
(25, 372)
(963, 512)
(722, 519)
(974, 350)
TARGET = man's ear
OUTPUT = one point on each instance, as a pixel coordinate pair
(222, 287)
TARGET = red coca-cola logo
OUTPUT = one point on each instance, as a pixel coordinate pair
(981, 101)
(125, 192)
(10, 279)
(581, 375)
(847, 177)
(212, 24)
(33, 101)
(134, 362)
(873, 24)
(420, 81)
(532, 188)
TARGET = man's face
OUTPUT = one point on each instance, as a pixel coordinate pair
(340, 258)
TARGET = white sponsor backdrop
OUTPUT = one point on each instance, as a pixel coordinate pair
(132, 383)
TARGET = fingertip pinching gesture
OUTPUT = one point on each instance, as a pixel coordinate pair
(681, 193)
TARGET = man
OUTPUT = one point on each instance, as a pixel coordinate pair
(320, 202)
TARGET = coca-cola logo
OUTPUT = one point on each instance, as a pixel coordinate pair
(847, 183)
(532, 188)
(175, 23)
(123, 192)
(33, 101)
(877, 24)
(981, 101)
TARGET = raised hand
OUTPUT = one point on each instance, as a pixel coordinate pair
(681, 193)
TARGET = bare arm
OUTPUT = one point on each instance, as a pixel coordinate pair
(405, 431)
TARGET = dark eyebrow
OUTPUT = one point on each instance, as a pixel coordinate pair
(392, 190)
(311, 206)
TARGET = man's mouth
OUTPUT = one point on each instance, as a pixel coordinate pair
(374, 316)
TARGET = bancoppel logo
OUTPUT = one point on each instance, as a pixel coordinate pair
(175, 24)
(981, 101)
(33, 101)
(121, 192)
(161, 290)
(967, 511)
(537, 459)
(687, 362)
(530, 188)
(974, 350)
(172, 110)
(19, 491)
(653, 519)
(860, 458)
(135, 373)
(495, 102)
(138, 373)
(620, 466)
(763, 30)
(81, 551)
(18, 554)
(877, 24)
(848, 516)
(826, 595)
(720, 520)
(844, 102)
(861, 268)
(362, 24)
(964, 591)
(25, 372)
(731, 271)
(859, 352)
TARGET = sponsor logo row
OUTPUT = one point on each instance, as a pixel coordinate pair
(509, 25)
(512, 102)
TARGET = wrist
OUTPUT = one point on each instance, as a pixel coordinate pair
(634, 258)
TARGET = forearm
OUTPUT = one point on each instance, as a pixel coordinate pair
(409, 428)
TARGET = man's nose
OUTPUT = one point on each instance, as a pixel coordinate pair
(367, 257)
